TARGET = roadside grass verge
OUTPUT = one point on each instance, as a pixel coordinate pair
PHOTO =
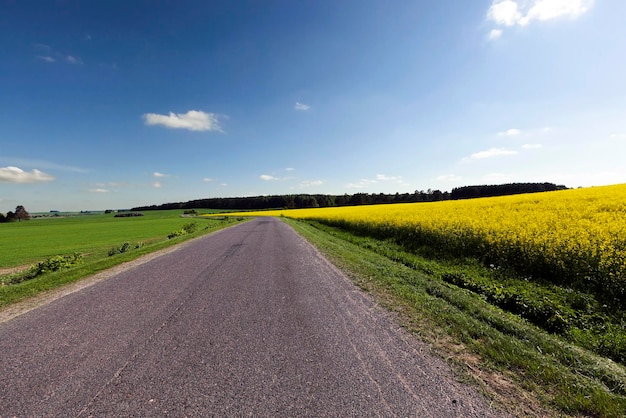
(39, 278)
(522, 367)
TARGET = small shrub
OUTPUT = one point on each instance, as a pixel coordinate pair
(51, 264)
(190, 227)
(115, 250)
(128, 214)
(175, 234)
(57, 262)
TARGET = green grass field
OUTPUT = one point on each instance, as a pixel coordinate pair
(91, 235)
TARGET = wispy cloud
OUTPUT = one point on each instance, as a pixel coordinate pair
(384, 177)
(47, 165)
(379, 179)
(301, 106)
(193, 120)
(208, 180)
(17, 175)
(361, 184)
(524, 12)
(492, 152)
(73, 60)
(159, 175)
(99, 190)
(510, 132)
(48, 54)
(532, 146)
(271, 177)
(495, 34)
(157, 185)
(46, 58)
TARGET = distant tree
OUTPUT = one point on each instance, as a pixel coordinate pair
(10, 217)
(21, 214)
(3, 218)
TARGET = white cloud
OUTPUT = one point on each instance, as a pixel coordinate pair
(504, 12)
(510, 132)
(73, 60)
(551, 9)
(17, 175)
(267, 177)
(157, 185)
(380, 178)
(41, 164)
(46, 58)
(159, 175)
(290, 169)
(383, 177)
(522, 13)
(301, 106)
(194, 120)
(361, 184)
(99, 191)
(532, 146)
(208, 180)
(492, 152)
(495, 34)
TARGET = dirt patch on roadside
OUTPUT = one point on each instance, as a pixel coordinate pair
(11, 270)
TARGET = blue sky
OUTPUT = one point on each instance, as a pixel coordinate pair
(115, 104)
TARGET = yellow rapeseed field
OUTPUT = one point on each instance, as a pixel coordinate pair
(566, 236)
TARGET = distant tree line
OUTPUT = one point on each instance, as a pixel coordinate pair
(472, 192)
(20, 214)
(298, 201)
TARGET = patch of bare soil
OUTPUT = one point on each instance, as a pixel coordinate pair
(11, 270)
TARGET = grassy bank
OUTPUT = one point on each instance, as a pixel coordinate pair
(529, 370)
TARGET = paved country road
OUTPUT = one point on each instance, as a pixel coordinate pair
(249, 321)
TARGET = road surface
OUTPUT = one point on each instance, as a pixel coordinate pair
(249, 321)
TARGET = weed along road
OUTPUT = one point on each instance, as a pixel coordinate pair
(249, 321)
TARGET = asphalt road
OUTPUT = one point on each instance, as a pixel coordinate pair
(249, 321)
